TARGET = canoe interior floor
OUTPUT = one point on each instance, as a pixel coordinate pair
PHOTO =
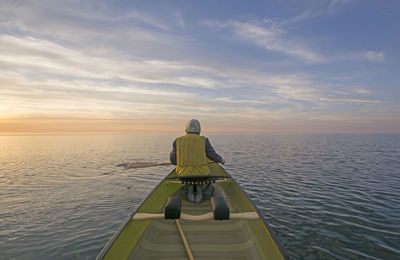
(229, 239)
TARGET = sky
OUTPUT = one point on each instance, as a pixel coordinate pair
(312, 66)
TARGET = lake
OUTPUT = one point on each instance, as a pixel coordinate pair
(325, 196)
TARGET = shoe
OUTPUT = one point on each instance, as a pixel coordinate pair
(199, 194)
(190, 193)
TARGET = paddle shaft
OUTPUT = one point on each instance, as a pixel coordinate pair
(184, 240)
(145, 165)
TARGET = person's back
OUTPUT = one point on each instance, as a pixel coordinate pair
(191, 158)
(190, 154)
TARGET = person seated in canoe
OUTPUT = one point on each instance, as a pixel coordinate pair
(189, 154)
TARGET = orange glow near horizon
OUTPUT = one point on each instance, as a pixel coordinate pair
(63, 125)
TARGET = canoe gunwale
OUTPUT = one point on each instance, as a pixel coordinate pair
(270, 230)
(127, 220)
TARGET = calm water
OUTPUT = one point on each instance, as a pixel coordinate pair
(326, 196)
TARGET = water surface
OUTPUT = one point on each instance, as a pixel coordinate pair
(325, 196)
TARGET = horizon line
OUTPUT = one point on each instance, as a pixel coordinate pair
(76, 133)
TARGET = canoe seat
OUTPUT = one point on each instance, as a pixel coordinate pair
(173, 208)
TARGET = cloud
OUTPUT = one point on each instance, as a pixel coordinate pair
(179, 19)
(41, 75)
(318, 9)
(352, 100)
(233, 100)
(370, 56)
(272, 36)
(38, 75)
(144, 18)
(306, 15)
(363, 91)
(337, 3)
(373, 56)
(269, 35)
(91, 26)
(297, 92)
(73, 13)
(134, 65)
(47, 57)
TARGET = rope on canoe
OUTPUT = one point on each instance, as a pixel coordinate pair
(207, 216)
(185, 242)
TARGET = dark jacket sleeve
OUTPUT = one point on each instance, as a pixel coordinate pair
(211, 154)
(172, 155)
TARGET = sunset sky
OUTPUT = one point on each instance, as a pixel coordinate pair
(313, 66)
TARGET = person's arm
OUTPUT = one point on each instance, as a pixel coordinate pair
(172, 155)
(211, 154)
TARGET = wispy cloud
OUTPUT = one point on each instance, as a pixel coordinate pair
(272, 36)
(179, 19)
(36, 69)
(336, 3)
(315, 10)
(269, 35)
(144, 18)
(341, 100)
(363, 91)
(373, 56)
(240, 101)
(47, 57)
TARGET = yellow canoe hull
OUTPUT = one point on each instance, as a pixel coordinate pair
(240, 238)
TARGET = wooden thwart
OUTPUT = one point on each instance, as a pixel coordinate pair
(207, 216)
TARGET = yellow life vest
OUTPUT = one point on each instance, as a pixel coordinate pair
(191, 158)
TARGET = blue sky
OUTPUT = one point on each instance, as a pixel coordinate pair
(273, 66)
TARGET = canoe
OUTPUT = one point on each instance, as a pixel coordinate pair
(165, 225)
